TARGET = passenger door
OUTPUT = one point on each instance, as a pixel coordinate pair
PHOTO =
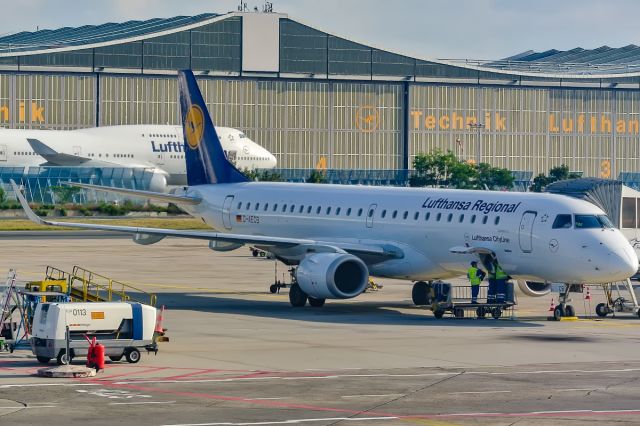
(370, 213)
(226, 211)
(526, 231)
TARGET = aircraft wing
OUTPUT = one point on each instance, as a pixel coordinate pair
(159, 196)
(369, 253)
(53, 157)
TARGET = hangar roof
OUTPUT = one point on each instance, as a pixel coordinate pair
(290, 48)
(602, 60)
(91, 34)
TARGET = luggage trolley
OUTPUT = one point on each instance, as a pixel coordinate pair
(457, 300)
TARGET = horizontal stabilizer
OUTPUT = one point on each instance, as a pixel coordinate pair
(158, 196)
(53, 157)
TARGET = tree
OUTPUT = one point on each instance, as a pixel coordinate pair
(262, 175)
(65, 194)
(561, 172)
(442, 169)
(316, 176)
(494, 177)
(433, 169)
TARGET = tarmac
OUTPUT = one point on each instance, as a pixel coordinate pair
(239, 355)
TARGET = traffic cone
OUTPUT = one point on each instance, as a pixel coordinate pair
(553, 306)
(159, 319)
(588, 296)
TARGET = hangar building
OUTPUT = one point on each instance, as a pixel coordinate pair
(316, 99)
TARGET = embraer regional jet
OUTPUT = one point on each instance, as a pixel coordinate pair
(160, 147)
(339, 235)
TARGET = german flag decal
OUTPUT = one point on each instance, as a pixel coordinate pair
(239, 218)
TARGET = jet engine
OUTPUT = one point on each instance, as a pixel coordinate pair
(158, 181)
(533, 288)
(332, 276)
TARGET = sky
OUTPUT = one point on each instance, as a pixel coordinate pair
(451, 29)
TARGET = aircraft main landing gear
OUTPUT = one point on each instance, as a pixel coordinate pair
(297, 297)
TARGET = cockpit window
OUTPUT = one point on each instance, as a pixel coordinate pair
(590, 221)
(562, 221)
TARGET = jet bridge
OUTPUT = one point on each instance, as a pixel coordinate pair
(622, 204)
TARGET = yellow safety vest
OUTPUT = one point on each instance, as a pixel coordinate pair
(500, 274)
(472, 273)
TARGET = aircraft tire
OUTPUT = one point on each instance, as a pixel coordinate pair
(316, 303)
(558, 313)
(273, 288)
(297, 297)
(601, 310)
(569, 311)
(420, 293)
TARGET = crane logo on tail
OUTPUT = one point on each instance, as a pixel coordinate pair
(194, 126)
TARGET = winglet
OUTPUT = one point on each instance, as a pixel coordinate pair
(25, 206)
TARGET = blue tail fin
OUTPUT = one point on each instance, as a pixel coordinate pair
(206, 162)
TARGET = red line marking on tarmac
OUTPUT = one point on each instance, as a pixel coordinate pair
(195, 373)
(148, 370)
(277, 404)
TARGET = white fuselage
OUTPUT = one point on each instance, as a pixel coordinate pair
(424, 224)
(155, 146)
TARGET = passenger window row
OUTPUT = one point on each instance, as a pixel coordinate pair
(291, 208)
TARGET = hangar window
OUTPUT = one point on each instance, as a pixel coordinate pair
(427, 215)
(257, 206)
(359, 212)
(239, 205)
(309, 209)
(383, 214)
(395, 214)
(461, 218)
(349, 211)
(473, 218)
(416, 215)
(438, 217)
(484, 219)
(449, 217)
(562, 221)
(337, 211)
(497, 221)
(405, 215)
(328, 210)
(248, 205)
(629, 213)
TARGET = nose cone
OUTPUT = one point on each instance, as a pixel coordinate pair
(621, 261)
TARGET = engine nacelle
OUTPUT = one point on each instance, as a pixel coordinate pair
(533, 288)
(332, 275)
(158, 182)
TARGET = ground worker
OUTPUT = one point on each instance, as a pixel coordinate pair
(475, 275)
(501, 283)
(492, 290)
